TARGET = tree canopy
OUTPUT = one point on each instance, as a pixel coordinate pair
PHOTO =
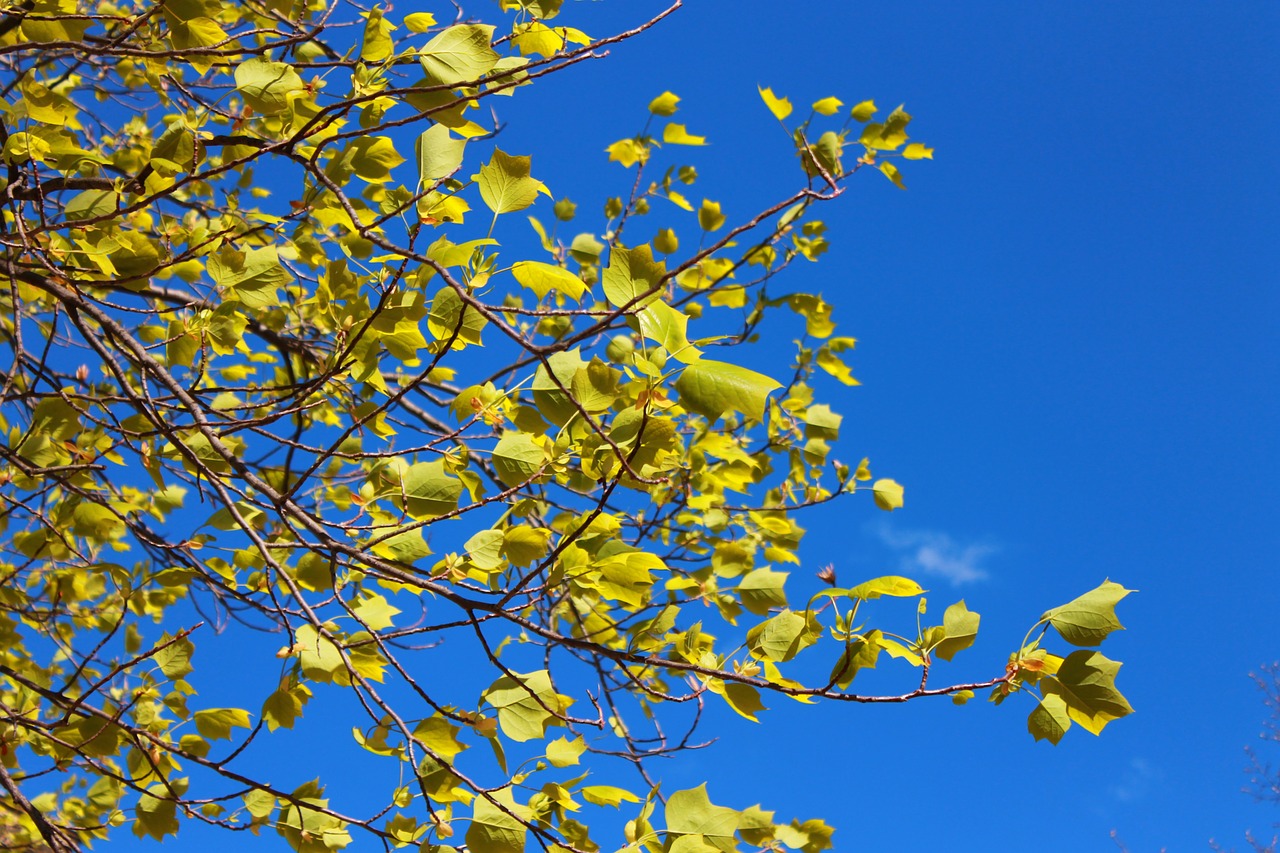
(295, 349)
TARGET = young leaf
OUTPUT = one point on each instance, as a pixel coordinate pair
(961, 627)
(780, 107)
(1086, 683)
(712, 388)
(505, 184)
(266, 85)
(664, 104)
(461, 54)
(887, 494)
(1087, 620)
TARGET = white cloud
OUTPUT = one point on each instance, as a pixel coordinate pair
(1135, 782)
(930, 552)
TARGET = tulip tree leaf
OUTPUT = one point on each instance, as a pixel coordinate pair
(891, 585)
(712, 388)
(266, 85)
(505, 184)
(1089, 619)
(527, 704)
(632, 276)
(543, 278)
(667, 326)
(462, 53)
(1086, 684)
(691, 812)
(439, 154)
(1050, 719)
(961, 627)
(887, 494)
(496, 825)
(780, 107)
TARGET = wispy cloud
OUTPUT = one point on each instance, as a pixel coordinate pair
(931, 552)
(1135, 782)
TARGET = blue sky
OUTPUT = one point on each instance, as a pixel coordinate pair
(1065, 338)
(1066, 342)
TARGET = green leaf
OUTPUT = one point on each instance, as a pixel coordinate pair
(1050, 719)
(440, 736)
(527, 704)
(563, 752)
(709, 216)
(762, 590)
(887, 494)
(668, 326)
(744, 699)
(891, 172)
(893, 585)
(373, 158)
(821, 422)
(862, 653)
(426, 491)
(889, 135)
(595, 386)
(1088, 620)
(712, 388)
(1086, 683)
(408, 546)
(283, 707)
(175, 658)
(252, 277)
(554, 404)
(827, 106)
(692, 813)
(607, 795)
(780, 107)
(505, 184)
(266, 85)
(783, 637)
(451, 319)
(375, 611)
(419, 22)
(632, 276)
(543, 278)
(439, 154)
(461, 54)
(377, 37)
(961, 627)
(677, 134)
(156, 814)
(485, 549)
(517, 458)
(863, 111)
(497, 828)
(319, 657)
(664, 104)
(216, 723)
(524, 546)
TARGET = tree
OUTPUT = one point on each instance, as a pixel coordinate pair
(286, 353)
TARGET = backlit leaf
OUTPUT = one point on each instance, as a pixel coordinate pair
(712, 388)
(780, 107)
(1087, 620)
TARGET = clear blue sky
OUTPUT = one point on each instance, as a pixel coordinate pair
(1067, 343)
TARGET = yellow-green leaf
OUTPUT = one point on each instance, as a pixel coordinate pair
(780, 107)
(664, 104)
(677, 134)
(828, 106)
(887, 494)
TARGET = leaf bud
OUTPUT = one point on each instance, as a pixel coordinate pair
(620, 349)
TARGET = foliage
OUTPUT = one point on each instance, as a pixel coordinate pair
(288, 353)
